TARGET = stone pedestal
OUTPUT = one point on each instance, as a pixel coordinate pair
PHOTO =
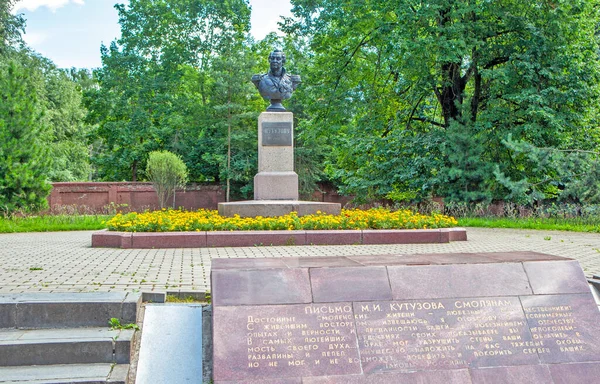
(276, 179)
(276, 183)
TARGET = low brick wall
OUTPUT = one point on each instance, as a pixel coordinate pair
(127, 196)
(212, 239)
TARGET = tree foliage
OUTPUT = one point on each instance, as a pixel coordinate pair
(156, 86)
(11, 27)
(23, 153)
(419, 98)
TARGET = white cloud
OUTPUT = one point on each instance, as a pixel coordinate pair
(34, 39)
(53, 5)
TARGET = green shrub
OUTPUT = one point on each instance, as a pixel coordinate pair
(167, 172)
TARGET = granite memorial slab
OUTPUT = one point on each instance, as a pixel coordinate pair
(459, 280)
(520, 374)
(330, 285)
(565, 327)
(449, 318)
(575, 373)
(296, 340)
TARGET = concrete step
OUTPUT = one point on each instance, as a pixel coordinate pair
(171, 345)
(64, 346)
(67, 310)
(66, 374)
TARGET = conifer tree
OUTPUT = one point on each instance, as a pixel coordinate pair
(23, 154)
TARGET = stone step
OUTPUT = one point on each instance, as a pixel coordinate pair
(66, 374)
(64, 346)
(595, 282)
(67, 310)
(171, 345)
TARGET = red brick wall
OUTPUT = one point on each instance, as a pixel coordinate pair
(127, 196)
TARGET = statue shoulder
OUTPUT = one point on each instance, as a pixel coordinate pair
(257, 78)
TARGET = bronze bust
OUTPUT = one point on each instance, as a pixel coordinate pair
(276, 85)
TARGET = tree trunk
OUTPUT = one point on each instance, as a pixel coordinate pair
(451, 95)
(134, 171)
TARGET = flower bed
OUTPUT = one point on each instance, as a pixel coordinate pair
(210, 220)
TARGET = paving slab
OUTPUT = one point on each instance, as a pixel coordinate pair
(66, 262)
(171, 346)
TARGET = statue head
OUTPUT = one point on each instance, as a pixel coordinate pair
(276, 60)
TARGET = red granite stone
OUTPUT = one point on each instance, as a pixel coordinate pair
(456, 234)
(548, 277)
(110, 239)
(424, 259)
(511, 257)
(296, 380)
(566, 327)
(309, 262)
(456, 376)
(260, 286)
(522, 374)
(468, 319)
(458, 280)
(255, 238)
(410, 236)
(248, 263)
(149, 240)
(575, 373)
(349, 284)
(441, 334)
(284, 341)
(389, 259)
(457, 258)
(342, 237)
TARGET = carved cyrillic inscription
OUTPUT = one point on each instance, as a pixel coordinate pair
(436, 334)
(291, 340)
(564, 327)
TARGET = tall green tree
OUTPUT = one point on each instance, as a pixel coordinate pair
(24, 161)
(234, 119)
(11, 27)
(52, 90)
(155, 83)
(419, 98)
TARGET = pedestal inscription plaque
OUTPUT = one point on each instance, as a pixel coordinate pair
(467, 336)
(277, 133)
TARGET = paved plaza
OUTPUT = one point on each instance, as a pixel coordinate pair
(65, 261)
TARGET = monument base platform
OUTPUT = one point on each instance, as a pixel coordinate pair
(271, 208)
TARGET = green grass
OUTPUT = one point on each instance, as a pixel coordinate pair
(575, 225)
(48, 223)
(188, 299)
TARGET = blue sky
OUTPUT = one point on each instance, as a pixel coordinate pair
(69, 32)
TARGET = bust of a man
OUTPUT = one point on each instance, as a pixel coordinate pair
(276, 85)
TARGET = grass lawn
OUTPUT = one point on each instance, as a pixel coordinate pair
(555, 224)
(48, 223)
